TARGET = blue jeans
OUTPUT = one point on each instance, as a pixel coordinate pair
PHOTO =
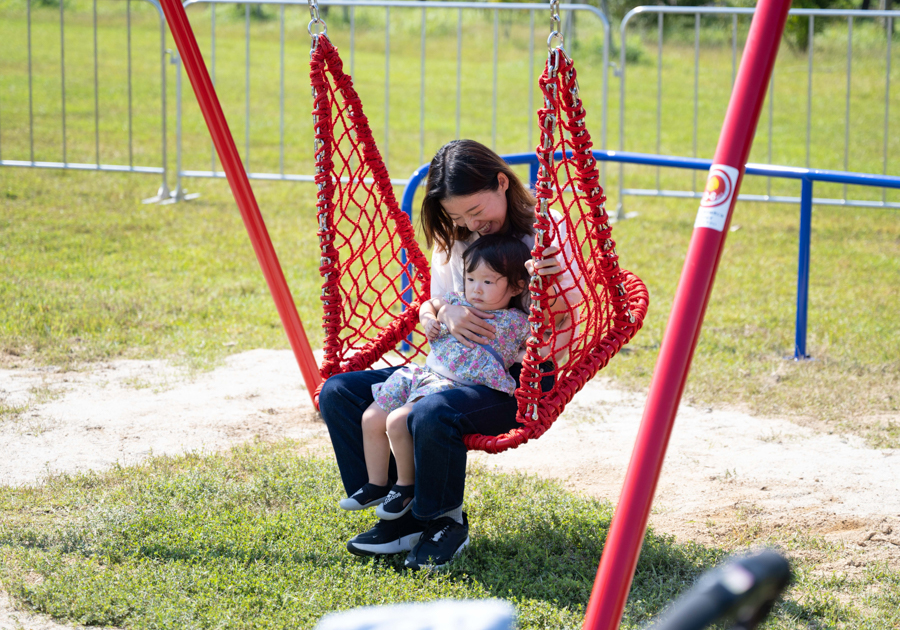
(437, 424)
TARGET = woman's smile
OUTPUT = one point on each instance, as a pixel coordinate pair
(483, 212)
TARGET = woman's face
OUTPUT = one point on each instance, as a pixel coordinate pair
(483, 212)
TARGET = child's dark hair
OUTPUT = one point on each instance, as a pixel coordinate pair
(504, 254)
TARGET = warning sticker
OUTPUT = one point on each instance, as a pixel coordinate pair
(717, 197)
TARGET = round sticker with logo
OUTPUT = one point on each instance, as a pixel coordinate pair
(716, 198)
(718, 188)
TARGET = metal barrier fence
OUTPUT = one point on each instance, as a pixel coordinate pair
(18, 145)
(508, 117)
(806, 176)
(792, 137)
(26, 127)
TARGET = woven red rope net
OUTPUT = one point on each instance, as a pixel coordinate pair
(370, 293)
(579, 320)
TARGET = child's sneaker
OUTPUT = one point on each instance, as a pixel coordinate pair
(365, 497)
(395, 503)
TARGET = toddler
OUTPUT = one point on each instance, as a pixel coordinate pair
(495, 283)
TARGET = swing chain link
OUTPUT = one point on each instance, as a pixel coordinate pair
(315, 20)
(554, 27)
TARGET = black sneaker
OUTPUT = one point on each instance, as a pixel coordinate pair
(441, 541)
(397, 503)
(365, 497)
(387, 537)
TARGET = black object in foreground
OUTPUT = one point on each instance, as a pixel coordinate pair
(744, 589)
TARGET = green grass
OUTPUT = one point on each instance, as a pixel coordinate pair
(253, 538)
(749, 325)
(367, 59)
(93, 274)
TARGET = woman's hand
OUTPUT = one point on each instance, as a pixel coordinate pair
(549, 265)
(467, 324)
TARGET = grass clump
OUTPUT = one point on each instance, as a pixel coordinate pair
(96, 275)
(253, 538)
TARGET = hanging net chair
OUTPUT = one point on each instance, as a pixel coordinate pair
(375, 275)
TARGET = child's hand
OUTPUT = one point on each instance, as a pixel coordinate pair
(432, 328)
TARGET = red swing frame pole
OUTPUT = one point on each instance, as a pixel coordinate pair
(626, 533)
(243, 193)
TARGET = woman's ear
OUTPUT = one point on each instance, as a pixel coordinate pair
(502, 182)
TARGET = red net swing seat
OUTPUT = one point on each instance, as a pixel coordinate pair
(375, 275)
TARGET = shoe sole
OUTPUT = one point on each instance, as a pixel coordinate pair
(404, 543)
(391, 516)
(445, 565)
(352, 505)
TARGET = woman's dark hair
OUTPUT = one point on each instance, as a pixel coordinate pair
(504, 254)
(465, 167)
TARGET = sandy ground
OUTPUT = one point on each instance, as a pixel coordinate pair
(724, 471)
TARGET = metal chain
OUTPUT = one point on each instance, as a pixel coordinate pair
(315, 20)
(554, 26)
(549, 126)
(556, 55)
(325, 230)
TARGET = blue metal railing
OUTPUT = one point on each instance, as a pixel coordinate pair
(807, 177)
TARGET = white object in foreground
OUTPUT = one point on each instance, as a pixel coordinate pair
(484, 614)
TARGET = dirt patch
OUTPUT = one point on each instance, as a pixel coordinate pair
(124, 411)
(728, 476)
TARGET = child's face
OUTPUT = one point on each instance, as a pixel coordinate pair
(488, 290)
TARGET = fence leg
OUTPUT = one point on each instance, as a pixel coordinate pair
(406, 294)
(163, 193)
(406, 205)
(806, 197)
(406, 281)
(179, 194)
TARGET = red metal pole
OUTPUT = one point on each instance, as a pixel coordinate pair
(626, 534)
(240, 188)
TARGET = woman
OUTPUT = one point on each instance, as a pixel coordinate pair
(471, 192)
